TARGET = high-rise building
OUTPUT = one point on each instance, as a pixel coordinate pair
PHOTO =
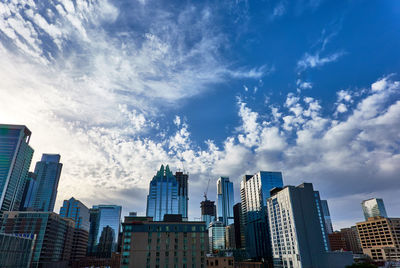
(208, 212)
(243, 215)
(256, 190)
(337, 241)
(16, 250)
(15, 159)
(168, 243)
(373, 207)
(183, 189)
(230, 242)
(216, 236)
(225, 201)
(48, 172)
(54, 235)
(77, 211)
(105, 222)
(296, 232)
(352, 240)
(163, 195)
(380, 238)
(327, 217)
(29, 192)
(237, 211)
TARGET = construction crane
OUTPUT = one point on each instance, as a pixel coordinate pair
(205, 193)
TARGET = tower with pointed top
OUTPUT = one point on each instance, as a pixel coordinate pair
(163, 195)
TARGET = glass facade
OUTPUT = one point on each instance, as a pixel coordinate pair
(327, 216)
(15, 251)
(15, 159)
(76, 210)
(48, 172)
(105, 222)
(183, 189)
(163, 195)
(207, 212)
(225, 201)
(374, 207)
(216, 236)
(29, 190)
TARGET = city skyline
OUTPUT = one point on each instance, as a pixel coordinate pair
(216, 89)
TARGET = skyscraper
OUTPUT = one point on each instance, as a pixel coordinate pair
(163, 195)
(216, 236)
(237, 215)
(374, 207)
(15, 159)
(48, 172)
(225, 201)
(207, 212)
(105, 221)
(296, 233)
(327, 217)
(255, 192)
(29, 191)
(183, 189)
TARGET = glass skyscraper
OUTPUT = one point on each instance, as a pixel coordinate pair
(29, 192)
(225, 201)
(373, 207)
(327, 216)
(163, 195)
(105, 222)
(216, 236)
(76, 210)
(15, 159)
(183, 189)
(255, 190)
(48, 172)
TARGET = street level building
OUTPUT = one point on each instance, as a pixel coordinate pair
(380, 238)
(16, 250)
(168, 243)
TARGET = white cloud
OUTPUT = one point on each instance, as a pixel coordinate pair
(315, 60)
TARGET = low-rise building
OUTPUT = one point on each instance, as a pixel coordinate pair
(16, 250)
(220, 261)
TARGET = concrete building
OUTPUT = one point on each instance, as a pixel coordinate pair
(208, 211)
(296, 226)
(168, 243)
(220, 261)
(216, 236)
(53, 233)
(337, 241)
(351, 239)
(16, 250)
(373, 207)
(225, 201)
(380, 238)
(16, 156)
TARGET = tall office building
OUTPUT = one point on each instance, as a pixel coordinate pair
(243, 215)
(208, 211)
(373, 207)
(48, 172)
(183, 189)
(296, 232)
(256, 191)
(380, 238)
(225, 201)
(237, 215)
(327, 217)
(352, 239)
(15, 159)
(230, 242)
(29, 192)
(105, 221)
(216, 236)
(163, 195)
(77, 211)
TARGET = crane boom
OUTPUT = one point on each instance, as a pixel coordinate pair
(205, 193)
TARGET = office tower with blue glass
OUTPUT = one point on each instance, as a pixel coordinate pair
(374, 207)
(163, 195)
(216, 236)
(296, 226)
(105, 221)
(225, 201)
(15, 159)
(29, 192)
(255, 190)
(183, 197)
(48, 172)
(327, 216)
(77, 211)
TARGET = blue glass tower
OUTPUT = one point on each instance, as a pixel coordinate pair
(15, 159)
(76, 210)
(255, 190)
(48, 172)
(105, 222)
(29, 192)
(225, 201)
(163, 195)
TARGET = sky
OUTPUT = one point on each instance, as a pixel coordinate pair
(217, 88)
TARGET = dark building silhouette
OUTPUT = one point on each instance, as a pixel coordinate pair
(237, 211)
(208, 211)
(182, 180)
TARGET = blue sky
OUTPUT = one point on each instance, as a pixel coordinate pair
(227, 88)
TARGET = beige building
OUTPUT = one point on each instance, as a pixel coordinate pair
(220, 262)
(171, 243)
(380, 238)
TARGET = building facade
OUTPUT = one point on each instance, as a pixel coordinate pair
(296, 231)
(163, 195)
(208, 212)
(183, 197)
(230, 242)
(48, 172)
(53, 234)
(373, 207)
(216, 236)
(79, 213)
(105, 222)
(225, 201)
(327, 217)
(29, 191)
(337, 241)
(172, 243)
(380, 238)
(237, 215)
(352, 239)
(16, 251)
(256, 190)
(15, 160)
